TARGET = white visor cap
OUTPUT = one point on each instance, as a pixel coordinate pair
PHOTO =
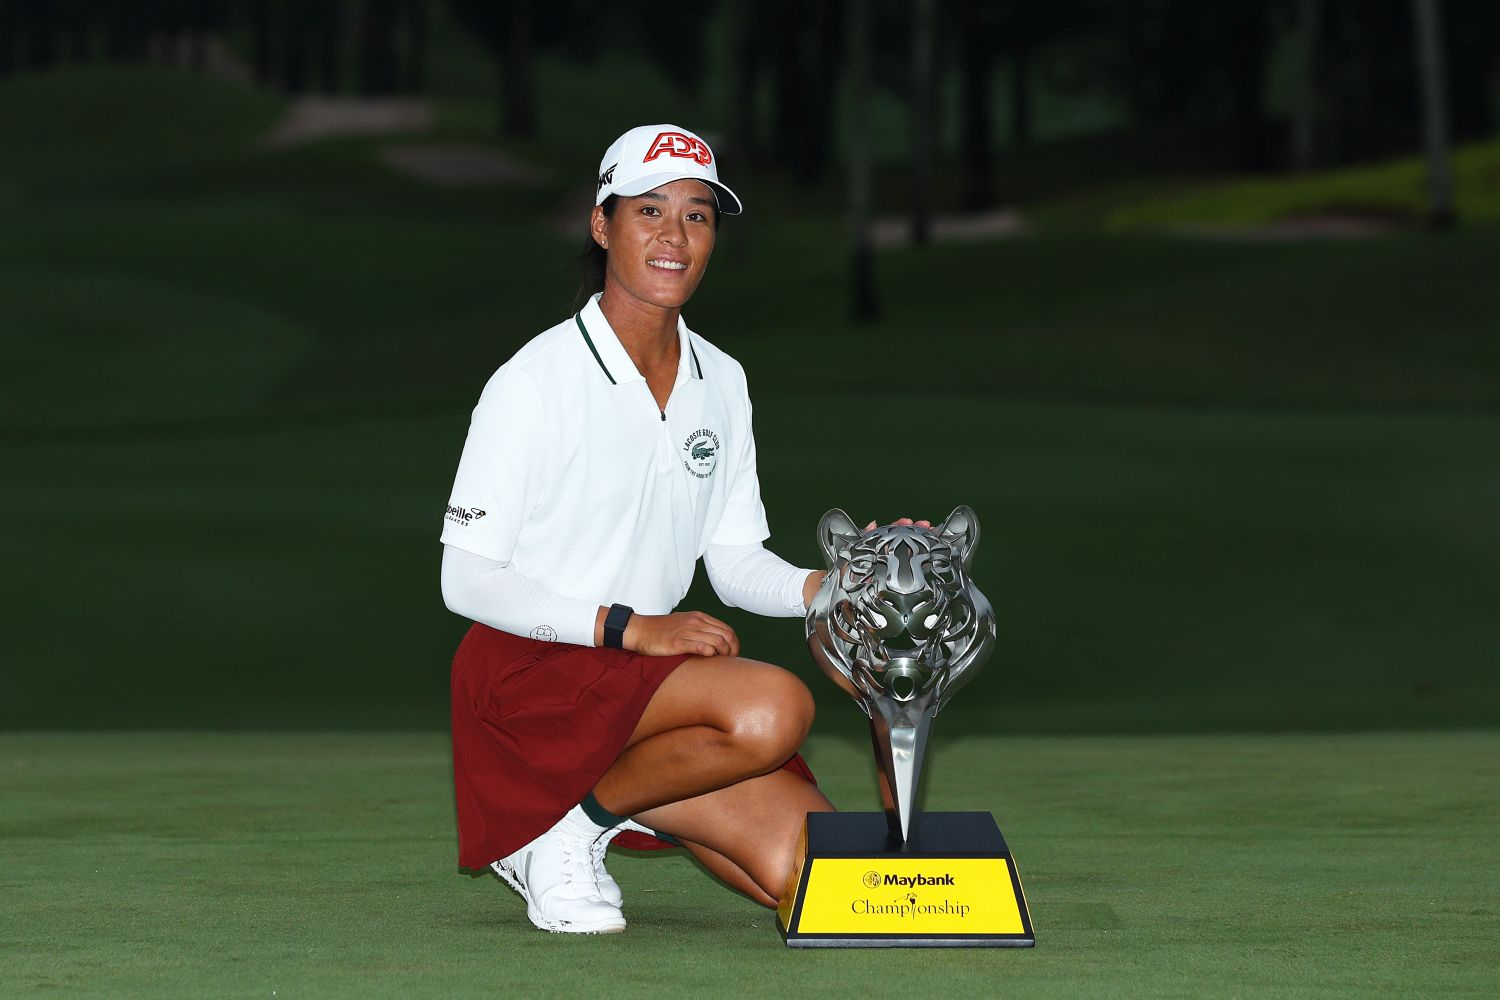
(649, 156)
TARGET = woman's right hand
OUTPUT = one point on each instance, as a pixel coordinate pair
(680, 632)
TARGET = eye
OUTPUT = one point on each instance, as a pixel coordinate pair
(697, 217)
(649, 210)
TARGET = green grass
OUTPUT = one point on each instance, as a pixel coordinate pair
(303, 865)
(1396, 190)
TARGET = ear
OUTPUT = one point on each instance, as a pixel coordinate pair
(836, 532)
(599, 226)
(961, 531)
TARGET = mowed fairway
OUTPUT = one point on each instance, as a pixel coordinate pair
(172, 865)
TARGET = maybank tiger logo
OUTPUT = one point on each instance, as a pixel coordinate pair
(702, 453)
(873, 879)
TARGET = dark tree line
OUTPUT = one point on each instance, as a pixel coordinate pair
(296, 46)
(782, 64)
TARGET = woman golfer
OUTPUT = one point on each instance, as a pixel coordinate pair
(604, 459)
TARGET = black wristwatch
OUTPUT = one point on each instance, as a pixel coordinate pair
(614, 625)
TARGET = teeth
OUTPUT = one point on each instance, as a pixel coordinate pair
(670, 265)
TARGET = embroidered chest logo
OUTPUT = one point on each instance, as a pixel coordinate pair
(701, 453)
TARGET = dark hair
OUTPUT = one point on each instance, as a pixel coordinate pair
(594, 259)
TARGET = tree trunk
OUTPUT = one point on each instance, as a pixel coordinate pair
(922, 137)
(1305, 85)
(1020, 92)
(1432, 78)
(78, 31)
(864, 306)
(802, 84)
(414, 79)
(1249, 51)
(517, 86)
(1136, 63)
(974, 108)
(296, 46)
(377, 47)
(9, 21)
(743, 66)
(261, 32)
(328, 32)
(41, 36)
(1492, 81)
(822, 67)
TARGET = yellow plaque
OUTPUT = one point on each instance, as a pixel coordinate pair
(953, 884)
(929, 896)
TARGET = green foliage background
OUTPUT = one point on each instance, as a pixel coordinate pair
(1224, 484)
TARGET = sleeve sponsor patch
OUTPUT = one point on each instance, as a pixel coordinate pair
(463, 516)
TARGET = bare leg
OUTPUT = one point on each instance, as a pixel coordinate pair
(713, 723)
(745, 834)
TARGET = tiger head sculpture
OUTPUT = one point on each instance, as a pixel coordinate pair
(897, 623)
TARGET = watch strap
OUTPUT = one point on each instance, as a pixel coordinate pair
(614, 625)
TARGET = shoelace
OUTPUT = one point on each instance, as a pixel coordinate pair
(599, 848)
(579, 862)
(577, 854)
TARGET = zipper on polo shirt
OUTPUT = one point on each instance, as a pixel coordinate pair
(666, 443)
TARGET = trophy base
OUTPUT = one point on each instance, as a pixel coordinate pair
(953, 885)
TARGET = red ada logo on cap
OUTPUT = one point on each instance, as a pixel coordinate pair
(678, 144)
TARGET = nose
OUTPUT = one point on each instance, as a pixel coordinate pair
(672, 232)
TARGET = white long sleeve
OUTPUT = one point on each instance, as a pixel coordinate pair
(756, 579)
(493, 594)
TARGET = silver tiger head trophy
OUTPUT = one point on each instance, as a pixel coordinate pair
(900, 627)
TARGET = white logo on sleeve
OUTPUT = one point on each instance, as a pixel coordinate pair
(702, 448)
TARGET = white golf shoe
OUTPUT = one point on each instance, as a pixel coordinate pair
(556, 875)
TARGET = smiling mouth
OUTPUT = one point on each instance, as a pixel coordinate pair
(667, 265)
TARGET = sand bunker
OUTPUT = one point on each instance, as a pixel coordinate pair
(311, 119)
(456, 165)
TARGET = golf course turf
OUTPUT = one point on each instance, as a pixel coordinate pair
(175, 865)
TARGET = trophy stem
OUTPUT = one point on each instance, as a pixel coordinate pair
(900, 749)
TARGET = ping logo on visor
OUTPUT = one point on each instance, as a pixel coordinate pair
(676, 144)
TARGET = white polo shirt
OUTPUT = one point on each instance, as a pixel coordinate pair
(573, 476)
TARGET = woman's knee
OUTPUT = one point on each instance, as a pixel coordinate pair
(774, 720)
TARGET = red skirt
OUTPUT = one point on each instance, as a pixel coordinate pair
(535, 726)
